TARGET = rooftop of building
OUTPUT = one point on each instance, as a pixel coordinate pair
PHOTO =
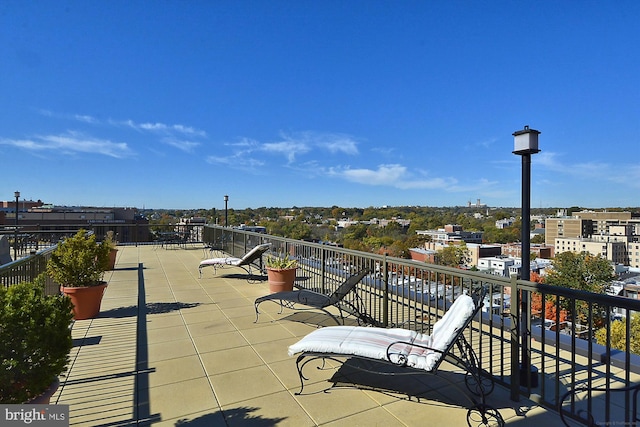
(170, 348)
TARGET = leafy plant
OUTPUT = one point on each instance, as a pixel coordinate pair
(110, 239)
(281, 262)
(35, 337)
(453, 255)
(618, 338)
(79, 261)
(585, 272)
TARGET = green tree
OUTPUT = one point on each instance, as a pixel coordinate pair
(453, 256)
(399, 249)
(356, 232)
(619, 335)
(336, 212)
(537, 239)
(581, 271)
(585, 272)
(296, 230)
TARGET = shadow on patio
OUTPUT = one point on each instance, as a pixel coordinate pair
(171, 349)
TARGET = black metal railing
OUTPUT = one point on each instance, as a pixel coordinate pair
(26, 269)
(560, 346)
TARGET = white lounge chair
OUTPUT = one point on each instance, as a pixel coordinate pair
(417, 353)
(250, 261)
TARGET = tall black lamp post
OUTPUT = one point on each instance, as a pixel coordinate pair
(226, 213)
(15, 235)
(526, 144)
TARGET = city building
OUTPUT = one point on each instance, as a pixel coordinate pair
(451, 233)
(496, 265)
(344, 223)
(514, 250)
(538, 266)
(612, 249)
(126, 223)
(482, 250)
(505, 222)
(613, 235)
(423, 255)
(23, 205)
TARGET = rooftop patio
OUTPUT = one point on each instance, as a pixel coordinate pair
(170, 348)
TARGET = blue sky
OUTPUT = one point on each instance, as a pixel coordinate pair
(173, 104)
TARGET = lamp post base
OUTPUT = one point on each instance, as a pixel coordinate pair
(531, 376)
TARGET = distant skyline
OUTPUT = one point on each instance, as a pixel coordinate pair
(172, 104)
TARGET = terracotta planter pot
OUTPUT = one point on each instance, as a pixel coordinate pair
(112, 259)
(281, 280)
(86, 300)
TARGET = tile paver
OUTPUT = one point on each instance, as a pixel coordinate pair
(195, 356)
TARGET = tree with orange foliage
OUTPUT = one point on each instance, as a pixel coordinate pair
(550, 308)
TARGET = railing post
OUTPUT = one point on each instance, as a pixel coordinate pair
(32, 266)
(515, 341)
(323, 267)
(385, 294)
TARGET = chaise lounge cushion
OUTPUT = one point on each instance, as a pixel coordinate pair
(222, 260)
(247, 258)
(445, 329)
(372, 343)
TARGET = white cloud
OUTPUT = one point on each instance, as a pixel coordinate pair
(589, 169)
(292, 145)
(148, 126)
(186, 146)
(172, 135)
(162, 128)
(188, 130)
(338, 143)
(623, 174)
(86, 119)
(245, 142)
(287, 148)
(237, 162)
(487, 143)
(548, 160)
(399, 176)
(76, 117)
(384, 151)
(384, 175)
(73, 142)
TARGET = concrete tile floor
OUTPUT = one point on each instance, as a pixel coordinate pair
(172, 349)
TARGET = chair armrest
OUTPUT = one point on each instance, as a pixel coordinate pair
(402, 358)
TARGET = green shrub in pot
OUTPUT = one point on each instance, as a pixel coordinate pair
(35, 340)
(79, 261)
(281, 262)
